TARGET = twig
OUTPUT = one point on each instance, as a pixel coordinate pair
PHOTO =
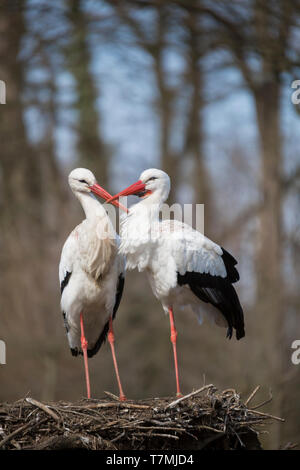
(120, 403)
(44, 408)
(179, 400)
(17, 431)
(118, 437)
(239, 439)
(111, 395)
(14, 433)
(156, 428)
(252, 395)
(210, 429)
(264, 402)
(267, 415)
(289, 446)
(156, 435)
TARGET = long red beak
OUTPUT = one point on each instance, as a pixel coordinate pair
(99, 191)
(134, 189)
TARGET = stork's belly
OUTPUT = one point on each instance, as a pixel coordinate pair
(170, 296)
(180, 298)
(84, 294)
(162, 283)
(95, 301)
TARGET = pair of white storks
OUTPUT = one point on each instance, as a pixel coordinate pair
(184, 267)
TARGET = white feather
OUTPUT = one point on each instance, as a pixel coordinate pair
(90, 255)
(164, 249)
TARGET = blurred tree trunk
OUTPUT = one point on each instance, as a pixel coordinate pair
(56, 192)
(21, 186)
(194, 138)
(92, 150)
(168, 158)
(269, 253)
(269, 247)
(20, 182)
(265, 87)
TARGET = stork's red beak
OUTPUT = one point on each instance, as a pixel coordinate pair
(136, 189)
(99, 191)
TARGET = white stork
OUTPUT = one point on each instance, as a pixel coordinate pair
(91, 274)
(183, 266)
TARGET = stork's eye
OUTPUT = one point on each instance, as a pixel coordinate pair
(152, 178)
(83, 181)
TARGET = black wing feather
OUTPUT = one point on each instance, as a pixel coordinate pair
(103, 335)
(119, 293)
(63, 285)
(65, 281)
(220, 293)
(230, 262)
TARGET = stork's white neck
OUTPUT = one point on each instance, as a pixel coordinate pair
(156, 199)
(90, 204)
(146, 209)
(138, 234)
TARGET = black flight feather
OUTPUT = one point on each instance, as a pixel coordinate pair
(220, 293)
(230, 262)
(65, 281)
(64, 284)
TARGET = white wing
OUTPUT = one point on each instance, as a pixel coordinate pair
(191, 250)
(208, 270)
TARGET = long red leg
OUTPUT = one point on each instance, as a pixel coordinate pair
(173, 341)
(84, 345)
(111, 339)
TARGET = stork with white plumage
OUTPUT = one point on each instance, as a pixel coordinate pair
(183, 266)
(91, 274)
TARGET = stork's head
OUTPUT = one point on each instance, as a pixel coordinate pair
(155, 181)
(82, 180)
(153, 184)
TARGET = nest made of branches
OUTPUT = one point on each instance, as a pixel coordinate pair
(203, 419)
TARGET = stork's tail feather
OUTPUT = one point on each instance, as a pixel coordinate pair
(91, 352)
(75, 352)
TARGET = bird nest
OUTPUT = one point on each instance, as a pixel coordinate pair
(204, 419)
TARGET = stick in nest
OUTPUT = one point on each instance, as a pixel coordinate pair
(179, 400)
(264, 402)
(111, 395)
(267, 415)
(122, 404)
(31, 424)
(44, 408)
(252, 395)
(14, 433)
